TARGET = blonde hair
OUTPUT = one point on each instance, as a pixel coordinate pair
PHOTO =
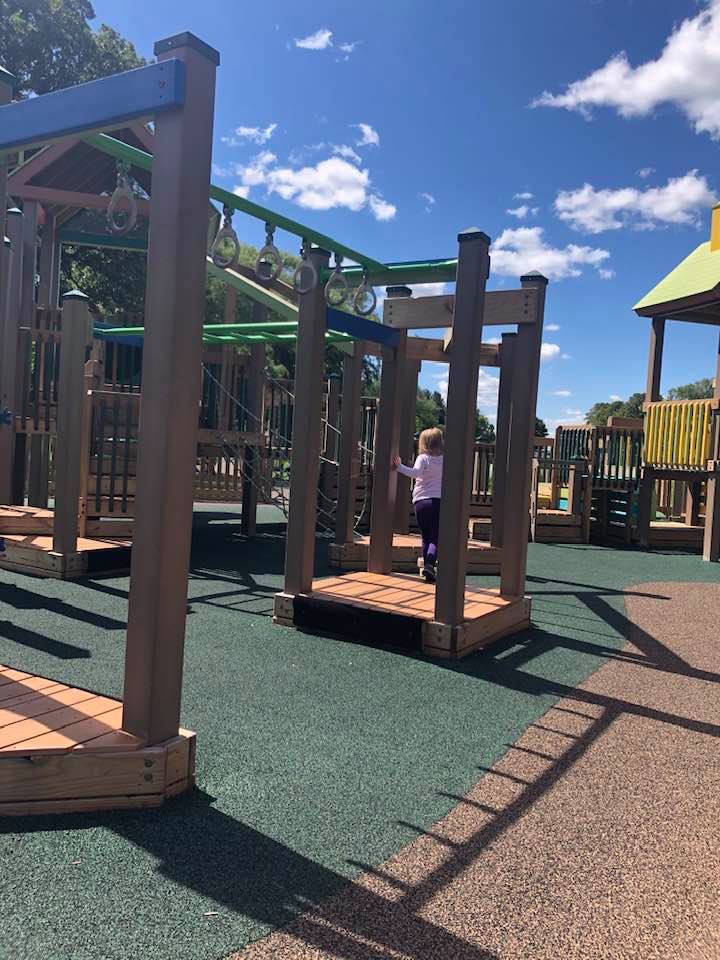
(431, 442)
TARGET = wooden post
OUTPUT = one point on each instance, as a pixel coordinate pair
(575, 485)
(76, 337)
(387, 443)
(502, 437)
(172, 371)
(513, 563)
(254, 403)
(472, 272)
(306, 435)
(711, 540)
(7, 88)
(645, 500)
(349, 460)
(692, 503)
(9, 352)
(407, 443)
(49, 270)
(332, 418)
(655, 357)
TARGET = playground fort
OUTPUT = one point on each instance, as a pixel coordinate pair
(112, 428)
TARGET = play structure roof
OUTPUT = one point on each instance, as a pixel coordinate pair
(691, 291)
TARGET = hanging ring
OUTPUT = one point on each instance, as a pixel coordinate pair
(337, 289)
(225, 235)
(365, 293)
(119, 221)
(270, 257)
(306, 268)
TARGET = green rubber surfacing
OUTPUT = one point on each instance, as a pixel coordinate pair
(316, 758)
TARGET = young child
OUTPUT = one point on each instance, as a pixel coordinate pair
(427, 474)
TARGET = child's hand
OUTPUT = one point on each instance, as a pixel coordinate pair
(395, 463)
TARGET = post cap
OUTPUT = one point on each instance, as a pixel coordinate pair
(187, 39)
(7, 241)
(472, 233)
(15, 211)
(398, 291)
(8, 78)
(534, 277)
(75, 295)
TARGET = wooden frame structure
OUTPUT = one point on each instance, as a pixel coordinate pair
(111, 754)
(448, 620)
(691, 294)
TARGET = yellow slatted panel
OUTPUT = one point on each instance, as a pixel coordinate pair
(678, 433)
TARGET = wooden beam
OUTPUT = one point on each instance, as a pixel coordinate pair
(655, 356)
(502, 307)
(9, 350)
(522, 434)
(167, 448)
(502, 438)
(254, 403)
(711, 540)
(427, 348)
(403, 499)
(349, 459)
(51, 196)
(472, 274)
(387, 442)
(306, 436)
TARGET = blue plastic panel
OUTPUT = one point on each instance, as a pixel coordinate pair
(93, 106)
(360, 328)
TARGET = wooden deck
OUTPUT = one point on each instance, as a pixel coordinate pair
(63, 749)
(398, 610)
(25, 520)
(407, 550)
(34, 554)
(676, 535)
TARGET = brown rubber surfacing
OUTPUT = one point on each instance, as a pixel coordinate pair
(597, 835)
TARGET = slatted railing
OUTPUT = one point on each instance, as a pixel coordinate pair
(679, 433)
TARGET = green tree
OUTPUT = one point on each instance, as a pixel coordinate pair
(599, 413)
(49, 44)
(699, 390)
(541, 429)
(430, 409)
(484, 430)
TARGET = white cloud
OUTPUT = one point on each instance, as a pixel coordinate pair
(331, 183)
(615, 396)
(520, 212)
(320, 40)
(573, 413)
(645, 172)
(346, 151)
(429, 201)
(368, 136)
(606, 274)
(549, 351)
(241, 191)
(518, 251)
(562, 393)
(428, 289)
(566, 356)
(552, 327)
(381, 209)
(494, 340)
(594, 211)
(525, 195)
(220, 171)
(686, 74)
(348, 48)
(259, 135)
(487, 392)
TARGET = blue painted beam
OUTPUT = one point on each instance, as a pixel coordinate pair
(360, 328)
(92, 106)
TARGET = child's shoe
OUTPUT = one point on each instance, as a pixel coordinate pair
(428, 571)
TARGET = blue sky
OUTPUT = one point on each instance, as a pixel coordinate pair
(392, 126)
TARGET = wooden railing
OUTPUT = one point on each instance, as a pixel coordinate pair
(679, 433)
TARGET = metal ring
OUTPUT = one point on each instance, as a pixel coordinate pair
(220, 259)
(365, 288)
(302, 267)
(125, 226)
(338, 281)
(270, 254)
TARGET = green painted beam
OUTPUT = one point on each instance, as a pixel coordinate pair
(143, 160)
(80, 239)
(421, 271)
(255, 291)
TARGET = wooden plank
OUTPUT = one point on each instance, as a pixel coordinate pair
(40, 705)
(31, 808)
(10, 698)
(68, 737)
(502, 308)
(64, 720)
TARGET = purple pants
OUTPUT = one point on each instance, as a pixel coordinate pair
(428, 518)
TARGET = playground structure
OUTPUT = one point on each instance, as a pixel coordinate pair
(448, 621)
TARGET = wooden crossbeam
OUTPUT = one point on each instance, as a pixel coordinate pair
(502, 308)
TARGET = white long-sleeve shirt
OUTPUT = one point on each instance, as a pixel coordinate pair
(427, 474)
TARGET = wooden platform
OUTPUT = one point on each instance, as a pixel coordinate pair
(397, 610)
(25, 520)
(557, 526)
(675, 535)
(35, 555)
(407, 550)
(63, 749)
